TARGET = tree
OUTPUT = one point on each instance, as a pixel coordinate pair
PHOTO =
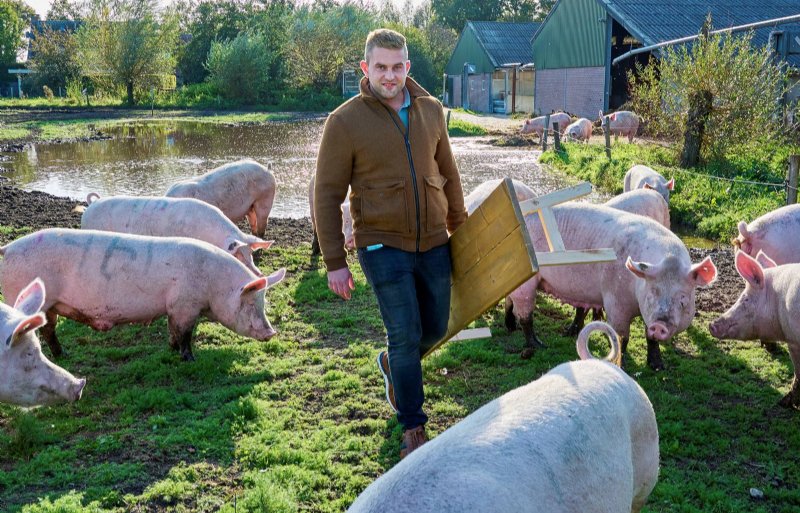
(126, 43)
(11, 26)
(65, 10)
(455, 13)
(239, 69)
(55, 58)
(719, 93)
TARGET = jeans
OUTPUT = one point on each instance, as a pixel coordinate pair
(413, 292)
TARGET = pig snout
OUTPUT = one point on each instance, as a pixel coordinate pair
(719, 328)
(77, 389)
(658, 331)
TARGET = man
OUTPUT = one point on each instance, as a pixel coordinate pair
(390, 145)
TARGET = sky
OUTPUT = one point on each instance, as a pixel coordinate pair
(42, 6)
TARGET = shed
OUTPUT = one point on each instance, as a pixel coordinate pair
(490, 69)
(574, 47)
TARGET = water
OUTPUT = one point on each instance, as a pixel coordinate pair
(146, 158)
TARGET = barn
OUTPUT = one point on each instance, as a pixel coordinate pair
(574, 47)
(490, 69)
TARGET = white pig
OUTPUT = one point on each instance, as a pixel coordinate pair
(580, 130)
(536, 125)
(776, 233)
(657, 280)
(27, 377)
(581, 438)
(643, 177)
(347, 222)
(172, 217)
(240, 189)
(103, 279)
(623, 122)
(767, 309)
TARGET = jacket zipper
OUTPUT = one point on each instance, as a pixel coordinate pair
(410, 163)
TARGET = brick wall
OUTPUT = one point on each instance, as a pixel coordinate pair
(578, 91)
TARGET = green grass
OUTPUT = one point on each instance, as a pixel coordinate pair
(709, 207)
(299, 423)
(461, 128)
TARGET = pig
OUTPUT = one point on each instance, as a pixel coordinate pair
(623, 122)
(240, 189)
(776, 233)
(579, 130)
(581, 438)
(103, 279)
(659, 285)
(172, 217)
(767, 309)
(347, 222)
(643, 177)
(27, 377)
(644, 202)
(536, 125)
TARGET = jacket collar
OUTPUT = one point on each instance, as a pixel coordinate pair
(414, 89)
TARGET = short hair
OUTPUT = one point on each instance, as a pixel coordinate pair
(385, 38)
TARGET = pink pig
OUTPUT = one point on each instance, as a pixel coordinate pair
(240, 189)
(536, 125)
(27, 377)
(347, 222)
(643, 177)
(103, 279)
(659, 285)
(623, 122)
(580, 130)
(767, 309)
(172, 217)
(776, 233)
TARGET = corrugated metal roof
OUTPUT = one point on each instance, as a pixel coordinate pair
(505, 42)
(656, 21)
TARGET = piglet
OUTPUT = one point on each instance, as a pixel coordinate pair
(579, 130)
(623, 122)
(643, 177)
(581, 438)
(103, 279)
(172, 217)
(536, 125)
(27, 377)
(240, 189)
(767, 309)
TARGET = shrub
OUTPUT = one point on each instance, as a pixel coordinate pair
(239, 69)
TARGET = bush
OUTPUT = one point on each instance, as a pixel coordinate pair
(239, 69)
(48, 93)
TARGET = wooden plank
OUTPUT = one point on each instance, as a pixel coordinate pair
(554, 198)
(550, 228)
(576, 256)
(473, 334)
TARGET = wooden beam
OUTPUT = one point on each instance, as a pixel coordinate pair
(576, 256)
(554, 198)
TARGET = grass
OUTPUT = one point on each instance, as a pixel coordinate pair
(705, 205)
(461, 128)
(300, 423)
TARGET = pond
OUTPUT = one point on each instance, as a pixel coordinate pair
(146, 158)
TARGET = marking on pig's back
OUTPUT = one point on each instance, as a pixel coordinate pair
(114, 247)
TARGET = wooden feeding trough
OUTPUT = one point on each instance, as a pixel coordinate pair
(492, 253)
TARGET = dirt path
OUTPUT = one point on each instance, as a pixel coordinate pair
(492, 122)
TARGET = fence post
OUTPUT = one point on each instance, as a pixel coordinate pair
(791, 192)
(607, 135)
(448, 119)
(556, 137)
(544, 132)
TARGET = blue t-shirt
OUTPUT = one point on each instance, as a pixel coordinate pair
(403, 112)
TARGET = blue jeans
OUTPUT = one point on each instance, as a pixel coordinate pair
(413, 291)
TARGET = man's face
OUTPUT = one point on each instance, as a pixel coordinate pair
(386, 71)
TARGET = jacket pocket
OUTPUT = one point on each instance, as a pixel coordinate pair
(384, 207)
(435, 202)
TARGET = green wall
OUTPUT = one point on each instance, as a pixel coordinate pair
(572, 36)
(468, 49)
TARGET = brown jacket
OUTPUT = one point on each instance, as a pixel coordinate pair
(404, 194)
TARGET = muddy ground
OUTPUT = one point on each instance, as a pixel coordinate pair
(37, 210)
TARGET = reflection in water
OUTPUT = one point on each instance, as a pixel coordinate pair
(146, 158)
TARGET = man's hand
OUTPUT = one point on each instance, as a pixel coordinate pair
(340, 282)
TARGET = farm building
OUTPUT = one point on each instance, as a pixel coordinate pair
(490, 69)
(574, 47)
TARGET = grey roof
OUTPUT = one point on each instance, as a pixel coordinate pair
(505, 42)
(656, 21)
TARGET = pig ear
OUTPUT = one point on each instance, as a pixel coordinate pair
(640, 269)
(253, 286)
(749, 269)
(704, 273)
(24, 326)
(233, 245)
(276, 277)
(671, 184)
(765, 261)
(261, 244)
(31, 298)
(743, 230)
(648, 186)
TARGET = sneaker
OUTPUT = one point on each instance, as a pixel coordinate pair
(413, 439)
(383, 366)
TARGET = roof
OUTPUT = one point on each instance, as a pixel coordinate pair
(657, 21)
(505, 42)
